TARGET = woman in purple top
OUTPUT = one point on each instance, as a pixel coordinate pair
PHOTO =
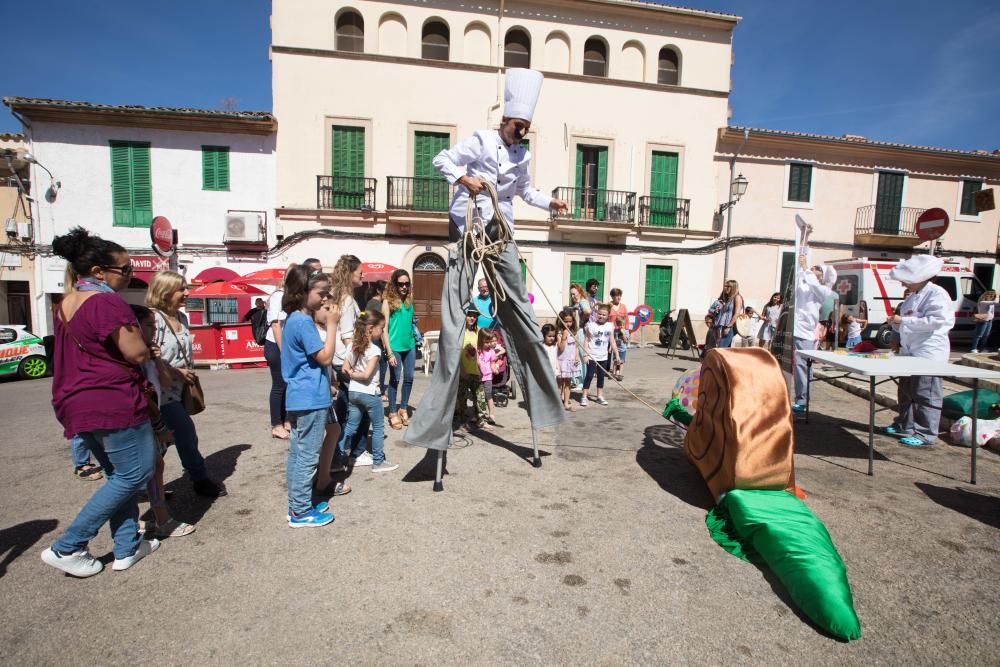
(97, 394)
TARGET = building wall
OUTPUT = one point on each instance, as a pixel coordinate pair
(15, 267)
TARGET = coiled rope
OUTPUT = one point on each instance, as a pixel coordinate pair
(484, 246)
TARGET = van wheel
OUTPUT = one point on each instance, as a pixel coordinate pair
(884, 337)
(33, 367)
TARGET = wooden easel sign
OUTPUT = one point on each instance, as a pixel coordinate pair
(683, 323)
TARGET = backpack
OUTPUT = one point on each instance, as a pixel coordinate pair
(259, 325)
(741, 434)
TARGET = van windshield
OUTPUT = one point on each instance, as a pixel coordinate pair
(948, 283)
(972, 288)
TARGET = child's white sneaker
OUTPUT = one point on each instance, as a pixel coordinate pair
(601, 400)
(583, 401)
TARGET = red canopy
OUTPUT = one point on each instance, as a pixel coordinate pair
(374, 271)
(262, 277)
(225, 289)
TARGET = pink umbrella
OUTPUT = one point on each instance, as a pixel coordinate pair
(225, 289)
(262, 277)
(374, 271)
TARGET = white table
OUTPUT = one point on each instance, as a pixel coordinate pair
(896, 367)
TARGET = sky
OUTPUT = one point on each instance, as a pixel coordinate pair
(912, 71)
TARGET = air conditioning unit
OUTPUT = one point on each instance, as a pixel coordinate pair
(243, 227)
(11, 227)
(24, 230)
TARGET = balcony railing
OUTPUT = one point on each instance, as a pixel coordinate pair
(664, 212)
(596, 205)
(887, 221)
(346, 193)
(407, 193)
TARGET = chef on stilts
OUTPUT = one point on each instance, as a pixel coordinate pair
(496, 157)
(924, 320)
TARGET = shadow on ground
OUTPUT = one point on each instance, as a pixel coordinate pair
(188, 506)
(978, 506)
(662, 458)
(17, 539)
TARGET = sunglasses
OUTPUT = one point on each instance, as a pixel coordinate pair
(325, 294)
(406, 284)
(124, 269)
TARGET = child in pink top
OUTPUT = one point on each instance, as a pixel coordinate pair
(489, 354)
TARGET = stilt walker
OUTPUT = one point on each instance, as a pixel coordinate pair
(489, 168)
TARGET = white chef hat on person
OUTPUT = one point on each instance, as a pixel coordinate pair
(917, 269)
(521, 90)
(829, 275)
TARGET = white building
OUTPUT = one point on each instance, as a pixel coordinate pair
(366, 92)
(211, 173)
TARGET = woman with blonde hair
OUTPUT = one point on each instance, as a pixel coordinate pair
(725, 319)
(399, 344)
(166, 295)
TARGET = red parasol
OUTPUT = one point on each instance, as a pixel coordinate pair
(374, 271)
(262, 277)
(225, 289)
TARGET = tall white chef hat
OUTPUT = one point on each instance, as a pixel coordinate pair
(917, 269)
(829, 275)
(521, 90)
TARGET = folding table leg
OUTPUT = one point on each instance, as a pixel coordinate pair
(871, 426)
(975, 424)
(809, 381)
(438, 482)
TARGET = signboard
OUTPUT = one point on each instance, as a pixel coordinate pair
(932, 224)
(683, 323)
(161, 232)
(984, 200)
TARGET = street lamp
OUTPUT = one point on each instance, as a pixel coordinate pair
(737, 188)
(54, 185)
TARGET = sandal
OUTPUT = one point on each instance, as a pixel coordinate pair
(334, 489)
(911, 441)
(172, 528)
(89, 472)
(404, 416)
(281, 434)
(394, 421)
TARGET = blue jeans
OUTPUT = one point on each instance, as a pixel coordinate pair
(342, 406)
(725, 339)
(276, 399)
(128, 458)
(186, 438)
(370, 406)
(851, 342)
(308, 431)
(78, 450)
(404, 362)
(982, 334)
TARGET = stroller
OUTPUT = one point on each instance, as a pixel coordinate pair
(503, 382)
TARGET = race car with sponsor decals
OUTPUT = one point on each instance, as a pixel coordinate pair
(21, 352)
(866, 291)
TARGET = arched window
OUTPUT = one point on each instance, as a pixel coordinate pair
(350, 32)
(669, 71)
(517, 49)
(595, 57)
(435, 40)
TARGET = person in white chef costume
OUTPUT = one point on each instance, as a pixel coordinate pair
(493, 156)
(813, 286)
(924, 320)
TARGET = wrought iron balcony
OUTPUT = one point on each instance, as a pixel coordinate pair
(664, 212)
(407, 193)
(597, 205)
(346, 193)
(887, 226)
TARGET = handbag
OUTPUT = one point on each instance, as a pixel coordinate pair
(981, 317)
(192, 395)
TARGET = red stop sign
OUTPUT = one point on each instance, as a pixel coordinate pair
(932, 224)
(162, 234)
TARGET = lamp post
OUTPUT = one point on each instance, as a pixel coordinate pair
(54, 185)
(737, 188)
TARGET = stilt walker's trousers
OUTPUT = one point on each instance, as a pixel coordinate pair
(431, 425)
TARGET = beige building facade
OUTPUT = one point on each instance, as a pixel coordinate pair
(17, 261)
(862, 197)
(366, 92)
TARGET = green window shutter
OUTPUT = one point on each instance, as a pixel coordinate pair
(215, 168)
(602, 181)
(799, 182)
(785, 279)
(121, 184)
(581, 272)
(348, 168)
(659, 281)
(578, 205)
(969, 190)
(888, 202)
(663, 189)
(433, 194)
(142, 186)
(524, 272)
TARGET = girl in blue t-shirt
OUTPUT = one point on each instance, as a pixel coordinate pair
(307, 398)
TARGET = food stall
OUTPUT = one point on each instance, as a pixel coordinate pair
(220, 337)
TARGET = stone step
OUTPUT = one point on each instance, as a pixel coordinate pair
(990, 362)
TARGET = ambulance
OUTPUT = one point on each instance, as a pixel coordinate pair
(866, 291)
(21, 353)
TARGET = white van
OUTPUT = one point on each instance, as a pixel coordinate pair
(867, 292)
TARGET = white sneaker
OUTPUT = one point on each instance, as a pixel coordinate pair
(973, 351)
(364, 460)
(385, 466)
(80, 564)
(583, 401)
(601, 400)
(146, 547)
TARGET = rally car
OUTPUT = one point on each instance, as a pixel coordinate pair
(21, 352)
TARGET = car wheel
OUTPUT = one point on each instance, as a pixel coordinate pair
(33, 367)
(884, 337)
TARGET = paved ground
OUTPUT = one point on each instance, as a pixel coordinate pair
(599, 557)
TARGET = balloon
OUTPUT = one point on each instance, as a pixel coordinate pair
(531, 298)
(686, 390)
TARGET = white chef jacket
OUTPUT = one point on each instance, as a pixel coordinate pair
(486, 156)
(810, 295)
(928, 316)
